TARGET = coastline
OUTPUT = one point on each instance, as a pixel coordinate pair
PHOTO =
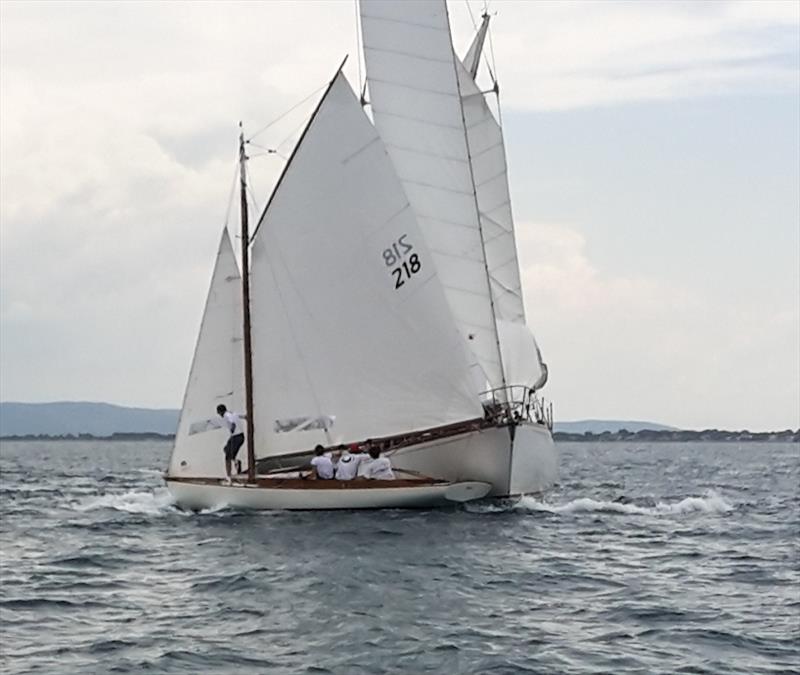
(645, 435)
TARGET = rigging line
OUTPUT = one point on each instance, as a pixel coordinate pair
(289, 136)
(230, 194)
(267, 151)
(284, 114)
(493, 68)
(358, 44)
(253, 199)
(471, 16)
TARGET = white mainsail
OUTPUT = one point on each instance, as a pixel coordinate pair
(417, 108)
(352, 335)
(216, 375)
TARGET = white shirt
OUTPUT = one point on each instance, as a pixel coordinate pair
(233, 422)
(347, 466)
(380, 469)
(323, 465)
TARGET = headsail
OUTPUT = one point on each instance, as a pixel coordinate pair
(352, 334)
(416, 105)
(472, 58)
(488, 159)
(522, 360)
(216, 375)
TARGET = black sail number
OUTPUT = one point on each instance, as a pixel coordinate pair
(403, 263)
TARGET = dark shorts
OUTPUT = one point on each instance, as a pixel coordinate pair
(232, 446)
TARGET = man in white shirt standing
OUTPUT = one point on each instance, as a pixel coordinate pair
(233, 423)
(321, 464)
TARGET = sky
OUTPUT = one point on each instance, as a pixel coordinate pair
(654, 160)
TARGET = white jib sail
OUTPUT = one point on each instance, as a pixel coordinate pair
(352, 334)
(472, 58)
(488, 158)
(522, 361)
(414, 93)
(216, 375)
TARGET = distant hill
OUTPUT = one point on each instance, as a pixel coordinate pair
(77, 417)
(104, 419)
(599, 426)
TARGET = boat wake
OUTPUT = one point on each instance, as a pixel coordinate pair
(148, 502)
(710, 503)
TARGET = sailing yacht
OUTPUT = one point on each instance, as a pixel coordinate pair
(380, 299)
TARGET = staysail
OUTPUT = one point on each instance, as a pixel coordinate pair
(416, 105)
(352, 334)
(522, 359)
(216, 375)
(488, 159)
(472, 58)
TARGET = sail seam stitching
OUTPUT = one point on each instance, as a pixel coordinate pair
(407, 23)
(399, 52)
(394, 83)
(377, 110)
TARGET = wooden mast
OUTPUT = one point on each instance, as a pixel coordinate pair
(248, 355)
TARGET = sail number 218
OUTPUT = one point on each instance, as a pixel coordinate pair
(400, 257)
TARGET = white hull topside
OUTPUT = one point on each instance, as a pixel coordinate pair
(475, 464)
(198, 496)
(526, 464)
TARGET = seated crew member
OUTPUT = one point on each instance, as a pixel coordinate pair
(380, 468)
(321, 464)
(233, 423)
(347, 466)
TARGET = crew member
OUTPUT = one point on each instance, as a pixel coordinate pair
(321, 464)
(233, 422)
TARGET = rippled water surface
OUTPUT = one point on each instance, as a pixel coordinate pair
(655, 558)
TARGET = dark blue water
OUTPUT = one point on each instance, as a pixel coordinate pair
(697, 572)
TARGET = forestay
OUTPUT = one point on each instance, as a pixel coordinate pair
(216, 375)
(350, 322)
(416, 105)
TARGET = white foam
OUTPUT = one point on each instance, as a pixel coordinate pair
(711, 502)
(151, 502)
(157, 473)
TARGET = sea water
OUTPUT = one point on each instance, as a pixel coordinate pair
(646, 558)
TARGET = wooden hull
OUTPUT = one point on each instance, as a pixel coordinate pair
(202, 494)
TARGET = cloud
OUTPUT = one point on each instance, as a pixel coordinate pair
(559, 55)
(627, 346)
(118, 136)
